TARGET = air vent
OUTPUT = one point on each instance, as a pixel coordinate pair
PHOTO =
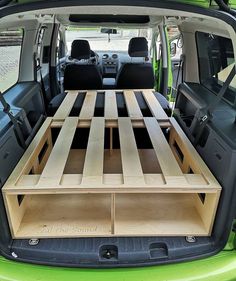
(105, 56)
(114, 56)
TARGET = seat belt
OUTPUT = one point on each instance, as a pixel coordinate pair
(181, 66)
(15, 122)
(205, 118)
(43, 88)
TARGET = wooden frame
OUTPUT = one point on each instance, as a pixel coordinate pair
(44, 197)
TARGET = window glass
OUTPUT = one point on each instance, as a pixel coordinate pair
(216, 60)
(102, 42)
(10, 50)
(39, 44)
(176, 41)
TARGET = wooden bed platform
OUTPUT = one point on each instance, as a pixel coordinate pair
(60, 191)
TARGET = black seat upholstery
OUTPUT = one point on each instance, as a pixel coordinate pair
(136, 75)
(81, 75)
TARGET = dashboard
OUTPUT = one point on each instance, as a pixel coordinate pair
(110, 62)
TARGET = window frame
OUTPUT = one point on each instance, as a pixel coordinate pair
(218, 86)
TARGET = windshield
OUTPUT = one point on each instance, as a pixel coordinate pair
(100, 41)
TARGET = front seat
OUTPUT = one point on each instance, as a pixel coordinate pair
(136, 75)
(82, 75)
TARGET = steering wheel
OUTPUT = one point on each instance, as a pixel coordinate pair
(94, 57)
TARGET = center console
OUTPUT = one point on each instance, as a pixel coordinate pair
(110, 65)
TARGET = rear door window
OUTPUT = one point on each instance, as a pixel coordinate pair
(216, 60)
(10, 52)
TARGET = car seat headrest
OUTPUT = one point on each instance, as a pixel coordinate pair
(80, 49)
(138, 47)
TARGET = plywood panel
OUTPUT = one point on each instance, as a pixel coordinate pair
(66, 216)
(30, 155)
(191, 156)
(157, 214)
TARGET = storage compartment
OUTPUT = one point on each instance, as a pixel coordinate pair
(61, 215)
(158, 214)
(85, 215)
(93, 177)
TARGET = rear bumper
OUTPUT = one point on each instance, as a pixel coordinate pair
(218, 268)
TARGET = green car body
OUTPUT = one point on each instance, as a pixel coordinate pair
(216, 268)
(220, 267)
(201, 3)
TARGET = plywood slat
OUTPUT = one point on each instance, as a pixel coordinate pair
(132, 104)
(88, 107)
(93, 165)
(132, 169)
(66, 106)
(112, 183)
(54, 167)
(154, 105)
(111, 111)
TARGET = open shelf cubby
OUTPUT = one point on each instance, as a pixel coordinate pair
(120, 176)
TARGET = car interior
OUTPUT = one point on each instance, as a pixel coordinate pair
(116, 60)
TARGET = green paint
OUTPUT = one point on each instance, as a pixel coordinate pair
(231, 244)
(201, 3)
(217, 268)
(170, 75)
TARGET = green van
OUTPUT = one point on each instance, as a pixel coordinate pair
(117, 140)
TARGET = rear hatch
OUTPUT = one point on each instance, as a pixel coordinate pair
(139, 242)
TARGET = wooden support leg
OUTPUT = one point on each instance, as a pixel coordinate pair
(15, 211)
(111, 140)
(207, 209)
(112, 213)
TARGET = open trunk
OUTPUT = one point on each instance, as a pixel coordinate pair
(110, 179)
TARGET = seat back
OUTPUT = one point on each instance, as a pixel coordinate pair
(81, 75)
(136, 75)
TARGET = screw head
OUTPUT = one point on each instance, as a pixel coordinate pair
(14, 255)
(191, 239)
(33, 242)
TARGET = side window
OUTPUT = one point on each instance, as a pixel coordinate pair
(176, 42)
(39, 44)
(216, 60)
(10, 52)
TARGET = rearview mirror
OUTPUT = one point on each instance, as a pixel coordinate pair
(109, 30)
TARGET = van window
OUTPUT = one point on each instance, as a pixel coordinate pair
(99, 41)
(10, 50)
(216, 59)
(39, 45)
